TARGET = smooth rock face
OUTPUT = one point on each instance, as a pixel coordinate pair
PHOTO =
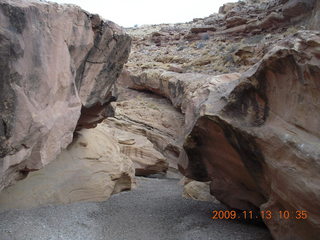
(53, 60)
(260, 150)
(92, 168)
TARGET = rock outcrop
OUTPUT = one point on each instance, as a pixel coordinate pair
(233, 97)
(253, 133)
(186, 91)
(260, 146)
(92, 168)
(152, 123)
(154, 117)
(54, 61)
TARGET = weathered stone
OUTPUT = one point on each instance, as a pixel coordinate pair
(246, 55)
(294, 8)
(241, 132)
(53, 60)
(147, 160)
(272, 20)
(235, 21)
(260, 148)
(225, 8)
(185, 90)
(202, 29)
(92, 168)
(214, 19)
(153, 125)
(315, 18)
(199, 191)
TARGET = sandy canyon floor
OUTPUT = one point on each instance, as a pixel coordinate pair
(154, 210)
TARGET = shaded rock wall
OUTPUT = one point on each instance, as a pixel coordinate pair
(53, 60)
(261, 150)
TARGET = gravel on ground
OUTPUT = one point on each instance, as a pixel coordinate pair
(154, 210)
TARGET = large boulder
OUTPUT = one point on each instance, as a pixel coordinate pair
(92, 168)
(54, 60)
(259, 147)
(199, 191)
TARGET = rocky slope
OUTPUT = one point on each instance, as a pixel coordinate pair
(230, 41)
(58, 64)
(253, 132)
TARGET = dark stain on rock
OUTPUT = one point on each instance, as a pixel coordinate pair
(16, 16)
(112, 64)
(10, 51)
(34, 83)
(243, 143)
(246, 147)
(193, 147)
(248, 102)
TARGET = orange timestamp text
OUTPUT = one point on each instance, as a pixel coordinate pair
(265, 215)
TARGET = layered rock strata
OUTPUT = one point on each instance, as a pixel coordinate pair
(152, 124)
(147, 160)
(92, 168)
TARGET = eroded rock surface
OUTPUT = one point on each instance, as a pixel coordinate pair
(147, 160)
(54, 60)
(92, 168)
(254, 132)
(261, 149)
(248, 131)
(152, 124)
(196, 190)
(154, 117)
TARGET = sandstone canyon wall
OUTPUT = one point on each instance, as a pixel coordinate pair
(253, 133)
(55, 60)
(92, 168)
(232, 100)
(261, 149)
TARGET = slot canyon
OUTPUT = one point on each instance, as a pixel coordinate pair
(208, 129)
